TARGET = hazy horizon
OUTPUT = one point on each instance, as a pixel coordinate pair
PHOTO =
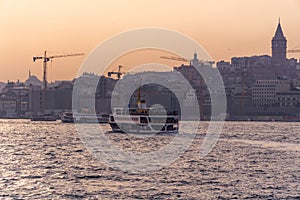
(224, 28)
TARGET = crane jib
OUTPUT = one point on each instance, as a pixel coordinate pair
(48, 58)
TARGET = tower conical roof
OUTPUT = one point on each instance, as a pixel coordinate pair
(279, 33)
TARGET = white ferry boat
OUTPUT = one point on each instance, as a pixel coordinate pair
(69, 117)
(143, 119)
(43, 117)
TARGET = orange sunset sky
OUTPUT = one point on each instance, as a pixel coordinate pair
(224, 28)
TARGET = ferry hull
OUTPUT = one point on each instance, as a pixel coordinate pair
(141, 129)
(91, 121)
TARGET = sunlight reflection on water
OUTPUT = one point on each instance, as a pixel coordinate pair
(251, 160)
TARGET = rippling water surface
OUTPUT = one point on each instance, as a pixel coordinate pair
(252, 160)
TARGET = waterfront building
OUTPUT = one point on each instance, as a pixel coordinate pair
(279, 97)
(264, 92)
(8, 106)
(14, 100)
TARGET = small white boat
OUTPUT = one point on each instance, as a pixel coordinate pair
(69, 117)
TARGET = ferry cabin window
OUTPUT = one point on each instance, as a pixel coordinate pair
(143, 120)
(158, 120)
(134, 119)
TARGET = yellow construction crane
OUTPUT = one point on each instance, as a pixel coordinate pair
(47, 59)
(118, 73)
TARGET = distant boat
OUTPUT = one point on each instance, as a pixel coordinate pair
(143, 119)
(45, 117)
(69, 117)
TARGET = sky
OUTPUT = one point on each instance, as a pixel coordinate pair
(224, 28)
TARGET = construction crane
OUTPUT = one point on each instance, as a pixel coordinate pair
(177, 58)
(118, 73)
(294, 51)
(174, 58)
(47, 59)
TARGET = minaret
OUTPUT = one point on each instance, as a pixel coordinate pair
(279, 44)
(195, 60)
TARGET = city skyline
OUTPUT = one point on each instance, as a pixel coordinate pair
(75, 27)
